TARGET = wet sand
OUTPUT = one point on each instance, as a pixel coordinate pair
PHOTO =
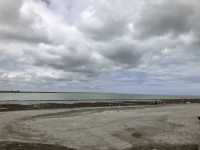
(30, 146)
(162, 127)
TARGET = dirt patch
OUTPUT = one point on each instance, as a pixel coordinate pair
(166, 147)
(136, 135)
(35, 146)
(30, 146)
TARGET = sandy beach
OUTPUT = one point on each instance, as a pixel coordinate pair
(105, 128)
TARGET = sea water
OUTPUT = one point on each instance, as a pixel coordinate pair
(73, 97)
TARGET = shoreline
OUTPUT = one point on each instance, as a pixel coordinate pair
(7, 106)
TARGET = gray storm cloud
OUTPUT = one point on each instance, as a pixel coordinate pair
(82, 41)
(166, 17)
(16, 25)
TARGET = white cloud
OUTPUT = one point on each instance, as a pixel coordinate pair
(76, 41)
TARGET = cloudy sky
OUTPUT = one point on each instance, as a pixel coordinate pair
(134, 46)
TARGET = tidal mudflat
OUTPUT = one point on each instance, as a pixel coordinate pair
(165, 127)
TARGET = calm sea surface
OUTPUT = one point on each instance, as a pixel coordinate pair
(74, 97)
